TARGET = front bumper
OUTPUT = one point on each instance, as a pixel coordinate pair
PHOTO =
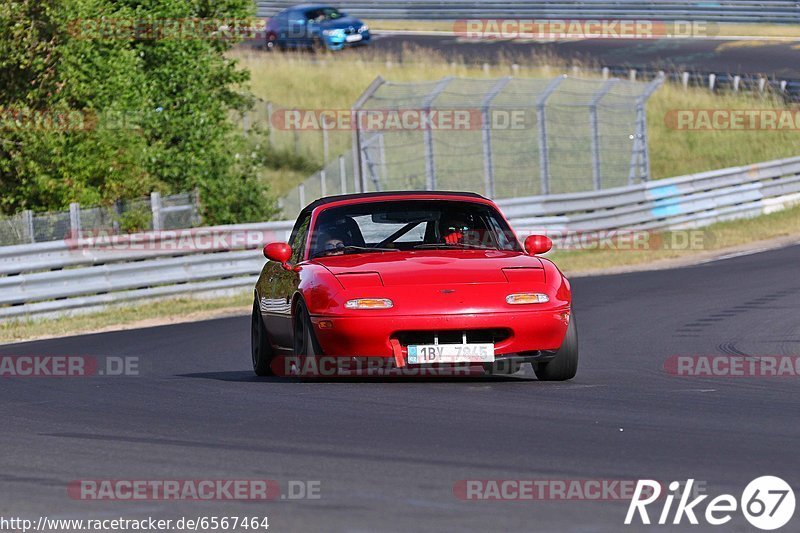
(531, 334)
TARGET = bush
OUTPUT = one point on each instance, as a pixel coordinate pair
(171, 99)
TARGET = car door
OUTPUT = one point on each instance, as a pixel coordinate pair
(281, 285)
(298, 29)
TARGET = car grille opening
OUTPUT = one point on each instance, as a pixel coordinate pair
(474, 336)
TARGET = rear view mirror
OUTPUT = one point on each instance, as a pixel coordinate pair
(280, 252)
(538, 244)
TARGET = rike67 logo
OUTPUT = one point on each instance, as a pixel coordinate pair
(767, 503)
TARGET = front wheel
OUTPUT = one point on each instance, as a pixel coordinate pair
(305, 342)
(260, 348)
(564, 365)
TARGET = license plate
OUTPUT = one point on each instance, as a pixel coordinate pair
(450, 353)
(352, 38)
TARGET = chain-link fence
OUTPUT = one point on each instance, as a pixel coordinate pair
(154, 213)
(503, 138)
(515, 137)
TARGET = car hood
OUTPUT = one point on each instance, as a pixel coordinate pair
(342, 23)
(440, 267)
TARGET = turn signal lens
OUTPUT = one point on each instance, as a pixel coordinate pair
(369, 303)
(527, 298)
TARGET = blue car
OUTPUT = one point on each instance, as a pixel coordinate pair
(315, 26)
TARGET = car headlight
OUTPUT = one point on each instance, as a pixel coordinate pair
(333, 33)
(370, 303)
(363, 28)
(527, 298)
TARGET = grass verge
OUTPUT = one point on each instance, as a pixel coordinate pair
(717, 237)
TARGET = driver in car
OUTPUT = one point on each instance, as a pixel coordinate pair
(454, 229)
(331, 244)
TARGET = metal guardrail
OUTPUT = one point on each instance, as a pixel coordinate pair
(772, 11)
(85, 274)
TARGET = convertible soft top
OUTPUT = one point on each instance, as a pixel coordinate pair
(330, 199)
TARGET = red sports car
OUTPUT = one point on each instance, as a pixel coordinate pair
(416, 278)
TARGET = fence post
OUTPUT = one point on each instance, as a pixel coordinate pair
(270, 140)
(343, 174)
(246, 122)
(486, 134)
(325, 141)
(712, 80)
(541, 120)
(323, 183)
(427, 134)
(155, 207)
(357, 164)
(27, 221)
(75, 220)
(736, 81)
(595, 130)
(302, 191)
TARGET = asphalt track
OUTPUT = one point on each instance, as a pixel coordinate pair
(388, 453)
(778, 59)
(770, 58)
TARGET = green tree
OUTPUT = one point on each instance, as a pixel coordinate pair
(153, 111)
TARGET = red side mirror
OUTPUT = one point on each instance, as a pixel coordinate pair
(538, 244)
(279, 252)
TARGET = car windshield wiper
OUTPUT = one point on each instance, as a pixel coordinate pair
(452, 245)
(358, 249)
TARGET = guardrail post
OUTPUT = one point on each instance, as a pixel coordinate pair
(343, 174)
(712, 79)
(301, 189)
(323, 184)
(593, 124)
(736, 81)
(762, 85)
(75, 220)
(155, 208)
(541, 119)
(685, 79)
(606, 73)
(27, 223)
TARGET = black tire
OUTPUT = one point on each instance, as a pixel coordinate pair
(260, 348)
(564, 365)
(305, 341)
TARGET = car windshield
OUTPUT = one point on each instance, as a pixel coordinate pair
(324, 13)
(410, 225)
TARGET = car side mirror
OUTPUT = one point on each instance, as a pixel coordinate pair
(280, 252)
(538, 244)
